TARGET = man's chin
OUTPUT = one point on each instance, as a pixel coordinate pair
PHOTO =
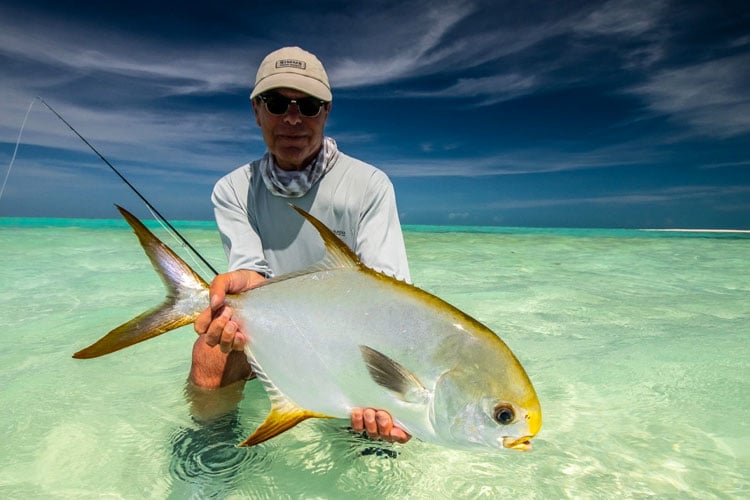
(292, 158)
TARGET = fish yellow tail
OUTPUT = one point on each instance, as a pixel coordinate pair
(187, 296)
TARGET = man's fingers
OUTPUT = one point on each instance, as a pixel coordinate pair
(357, 420)
(216, 328)
(398, 435)
(227, 336)
(378, 424)
(371, 424)
(217, 291)
(385, 423)
(388, 431)
(240, 339)
(202, 321)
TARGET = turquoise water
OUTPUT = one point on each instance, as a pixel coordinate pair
(637, 343)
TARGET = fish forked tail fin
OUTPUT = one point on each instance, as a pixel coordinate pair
(187, 296)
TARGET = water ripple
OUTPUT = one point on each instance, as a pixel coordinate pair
(208, 456)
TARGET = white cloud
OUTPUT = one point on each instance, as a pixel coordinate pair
(76, 50)
(495, 88)
(623, 17)
(141, 136)
(395, 51)
(730, 164)
(642, 197)
(710, 97)
(520, 162)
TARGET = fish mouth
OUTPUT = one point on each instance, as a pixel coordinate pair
(521, 444)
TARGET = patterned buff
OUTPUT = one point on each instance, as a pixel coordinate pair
(296, 183)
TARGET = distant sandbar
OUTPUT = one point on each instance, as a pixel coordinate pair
(744, 231)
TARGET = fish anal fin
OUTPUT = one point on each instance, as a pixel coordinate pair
(393, 376)
(281, 419)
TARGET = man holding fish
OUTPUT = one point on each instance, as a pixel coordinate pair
(334, 328)
(264, 238)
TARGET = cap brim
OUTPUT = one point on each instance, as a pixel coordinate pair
(309, 86)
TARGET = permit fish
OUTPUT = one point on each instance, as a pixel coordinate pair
(340, 335)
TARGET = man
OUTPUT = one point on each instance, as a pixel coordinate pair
(263, 237)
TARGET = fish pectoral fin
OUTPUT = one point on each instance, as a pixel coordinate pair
(393, 376)
(282, 418)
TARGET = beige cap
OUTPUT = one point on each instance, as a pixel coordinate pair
(293, 68)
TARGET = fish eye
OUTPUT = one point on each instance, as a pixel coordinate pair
(504, 414)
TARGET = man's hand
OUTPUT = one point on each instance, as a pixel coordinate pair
(216, 322)
(378, 424)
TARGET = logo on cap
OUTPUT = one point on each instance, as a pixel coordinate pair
(291, 63)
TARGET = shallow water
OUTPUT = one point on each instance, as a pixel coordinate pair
(637, 344)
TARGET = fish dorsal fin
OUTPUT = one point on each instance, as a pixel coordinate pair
(393, 376)
(284, 413)
(338, 253)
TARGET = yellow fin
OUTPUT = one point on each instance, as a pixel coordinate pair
(281, 419)
(187, 296)
(338, 254)
(284, 414)
(159, 320)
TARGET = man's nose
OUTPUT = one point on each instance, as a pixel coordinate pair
(292, 115)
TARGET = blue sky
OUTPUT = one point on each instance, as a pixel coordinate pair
(566, 114)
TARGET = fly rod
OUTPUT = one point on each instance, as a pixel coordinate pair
(122, 177)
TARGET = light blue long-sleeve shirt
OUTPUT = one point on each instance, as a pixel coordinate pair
(261, 232)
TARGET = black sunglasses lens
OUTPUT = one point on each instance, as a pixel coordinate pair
(276, 105)
(309, 106)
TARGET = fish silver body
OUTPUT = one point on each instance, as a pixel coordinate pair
(340, 335)
(307, 331)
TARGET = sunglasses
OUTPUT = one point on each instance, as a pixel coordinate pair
(277, 104)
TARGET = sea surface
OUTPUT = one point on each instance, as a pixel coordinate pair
(637, 342)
